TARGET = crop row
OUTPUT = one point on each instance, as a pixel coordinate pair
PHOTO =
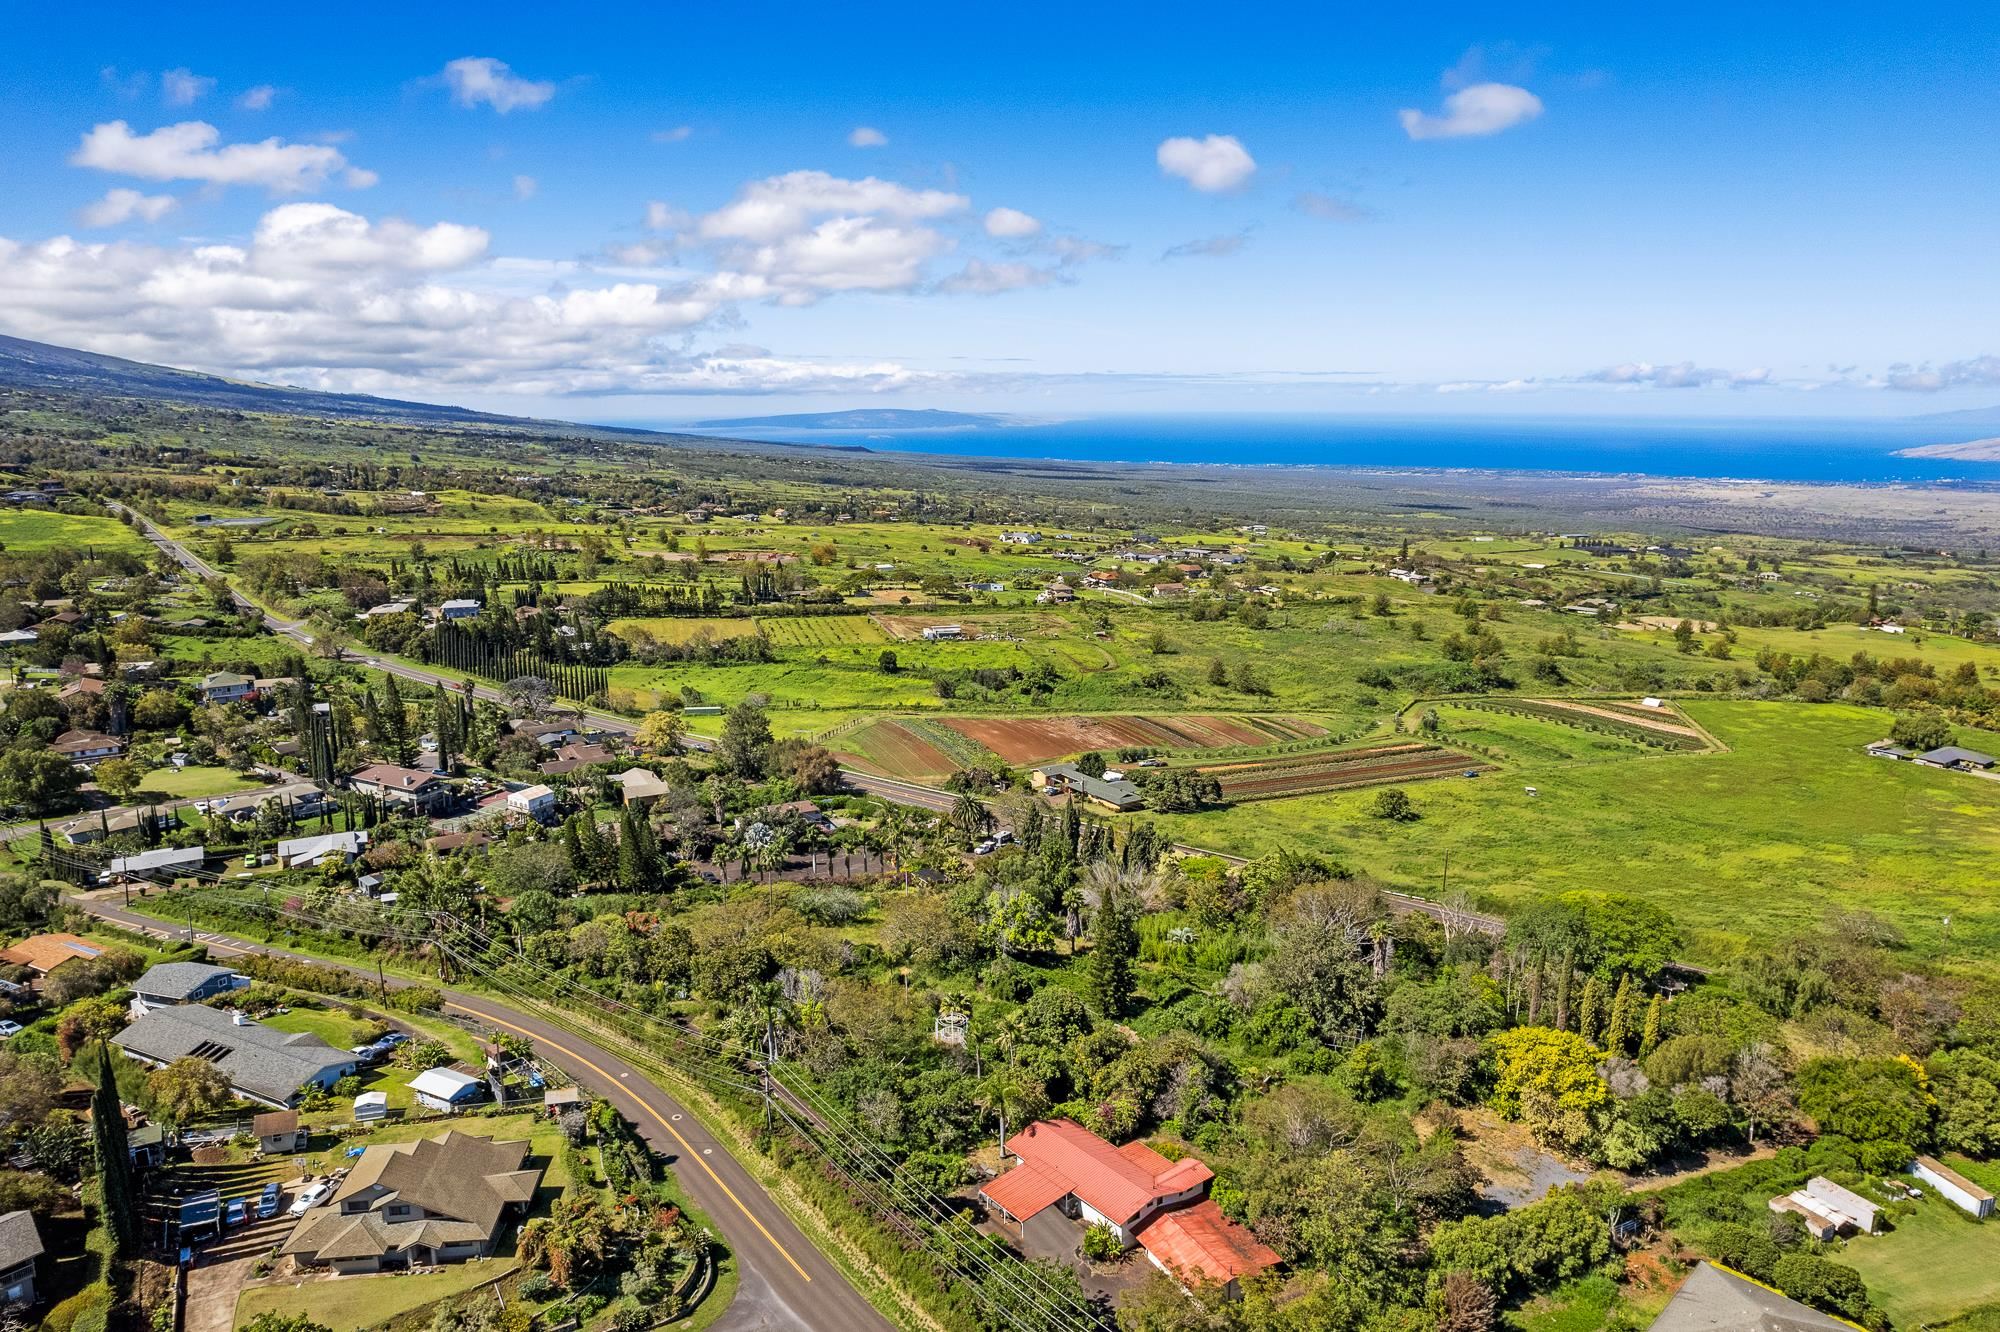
(1272, 785)
(1633, 730)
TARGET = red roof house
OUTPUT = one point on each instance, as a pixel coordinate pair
(1142, 1196)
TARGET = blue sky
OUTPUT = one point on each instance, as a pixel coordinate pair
(675, 212)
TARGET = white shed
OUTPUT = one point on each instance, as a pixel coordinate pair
(446, 1089)
(1963, 1193)
(371, 1106)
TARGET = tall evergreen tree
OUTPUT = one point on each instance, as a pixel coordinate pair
(1624, 1019)
(1649, 1034)
(1114, 948)
(1591, 1010)
(118, 1210)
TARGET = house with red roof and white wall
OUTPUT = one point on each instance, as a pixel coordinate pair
(1162, 1206)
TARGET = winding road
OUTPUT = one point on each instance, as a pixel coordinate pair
(784, 1282)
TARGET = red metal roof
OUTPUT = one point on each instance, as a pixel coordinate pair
(1025, 1190)
(1198, 1243)
(1117, 1182)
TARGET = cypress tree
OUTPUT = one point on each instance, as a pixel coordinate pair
(117, 1212)
(1590, 1011)
(1618, 1039)
(1649, 1036)
(631, 867)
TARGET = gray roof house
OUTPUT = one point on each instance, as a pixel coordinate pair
(20, 1250)
(1057, 778)
(1715, 1299)
(171, 984)
(1952, 756)
(161, 863)
(260, 1062)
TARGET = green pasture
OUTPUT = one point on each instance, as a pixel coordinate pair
(31, 530)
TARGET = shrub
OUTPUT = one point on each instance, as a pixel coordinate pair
(1100, 1243)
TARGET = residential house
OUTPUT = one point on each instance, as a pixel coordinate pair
(226, 687)
(464, 608)
(1961, 1192)
(160, 865)
(1951, 756)
(571, 757)
(19, 638)
(87, 685)
(302, 800)
(87, 748)
(1058, 593)
(96, 827)
(386, 608)
(260, 1063)
(548, 734)
(401, 786)
(171, 984)
(308, 852)
(447, 843)
(1055, 779)
(20, 1254)
(447, 1090)
(1145, 1199)
(1169, 591)
(806, 812)
(436, 1200)
(43, 953)
(537, 802)
(642, 786)
(278, 1133)
(1715, 1299)
(1020, 538)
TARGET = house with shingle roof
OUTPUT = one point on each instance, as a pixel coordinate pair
(260, 1063)
(20, 1253)
(436, 1200)
(171, 984)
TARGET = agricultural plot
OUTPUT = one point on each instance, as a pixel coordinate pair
(1036, 739)
(822, 631)
(682, 628)
(26, 530)
(1660, 728)
(1338, 770)
(891, 748)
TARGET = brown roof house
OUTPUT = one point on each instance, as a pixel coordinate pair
(278, 1133)
(43, 953)
(437, 1200)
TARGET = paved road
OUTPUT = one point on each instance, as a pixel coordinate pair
(784, 1282)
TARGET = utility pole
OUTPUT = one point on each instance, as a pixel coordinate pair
(770, 1055)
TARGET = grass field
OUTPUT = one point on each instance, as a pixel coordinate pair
(26, 530)
(195, 783)
(1793, 821)
(822, 631)
(1936, 1264)
(681, 629)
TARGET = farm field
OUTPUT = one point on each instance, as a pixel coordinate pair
(1793, 821)
(682, 628)
(1335, 770)
(1035, 739)
(822, 631)
(1658, 727)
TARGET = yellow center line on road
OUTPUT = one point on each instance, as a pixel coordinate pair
(664, 1123)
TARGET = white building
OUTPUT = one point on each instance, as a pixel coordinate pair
(1960, 1191)
(939, 632)
(304, 852)
(537, 802)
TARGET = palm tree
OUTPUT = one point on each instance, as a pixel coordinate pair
(1008, 1091)
(971, 818)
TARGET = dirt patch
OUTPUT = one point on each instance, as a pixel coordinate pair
(1664, 722)
(1517, 1170)
(1668, 623)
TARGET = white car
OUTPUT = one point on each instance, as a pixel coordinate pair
(308, 1200)
(9, 1029)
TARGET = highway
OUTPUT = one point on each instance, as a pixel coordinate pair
(783, 1280)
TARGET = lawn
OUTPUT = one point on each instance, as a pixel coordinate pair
(27, 530)
(1748, 844)
(195, 783)
(1936, 1264)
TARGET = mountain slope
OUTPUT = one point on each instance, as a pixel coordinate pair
(42, 365)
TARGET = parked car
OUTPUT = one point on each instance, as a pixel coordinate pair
(985, 848)
(9, 1028)
(394, 1039)
(367, 1054)
(267, 1205)
(313, 1196)
(235, 1213)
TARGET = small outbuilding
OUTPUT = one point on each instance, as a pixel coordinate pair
(446, 1090)
(371, 1106)
(279, 1133)
(1961, 1192)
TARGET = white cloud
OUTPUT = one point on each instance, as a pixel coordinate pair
(360, 178)
(1474, 112)
(319, 237)
(865, 136)
(1327, 208)
(525, 187)
(1682, 374)
(184, 87)
(258, 98)
(1210, 247)
(1214, 165)
(1972, 372)
(477, 80)
(662, 216)
(1011, 224)
(190, 151)
(121, 205)
(982, 278)
(675, 135)
(777, 206)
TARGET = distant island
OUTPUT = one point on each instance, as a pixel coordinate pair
(1972, 450)
(865, 418)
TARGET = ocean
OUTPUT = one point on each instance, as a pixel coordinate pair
(1752, 449)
